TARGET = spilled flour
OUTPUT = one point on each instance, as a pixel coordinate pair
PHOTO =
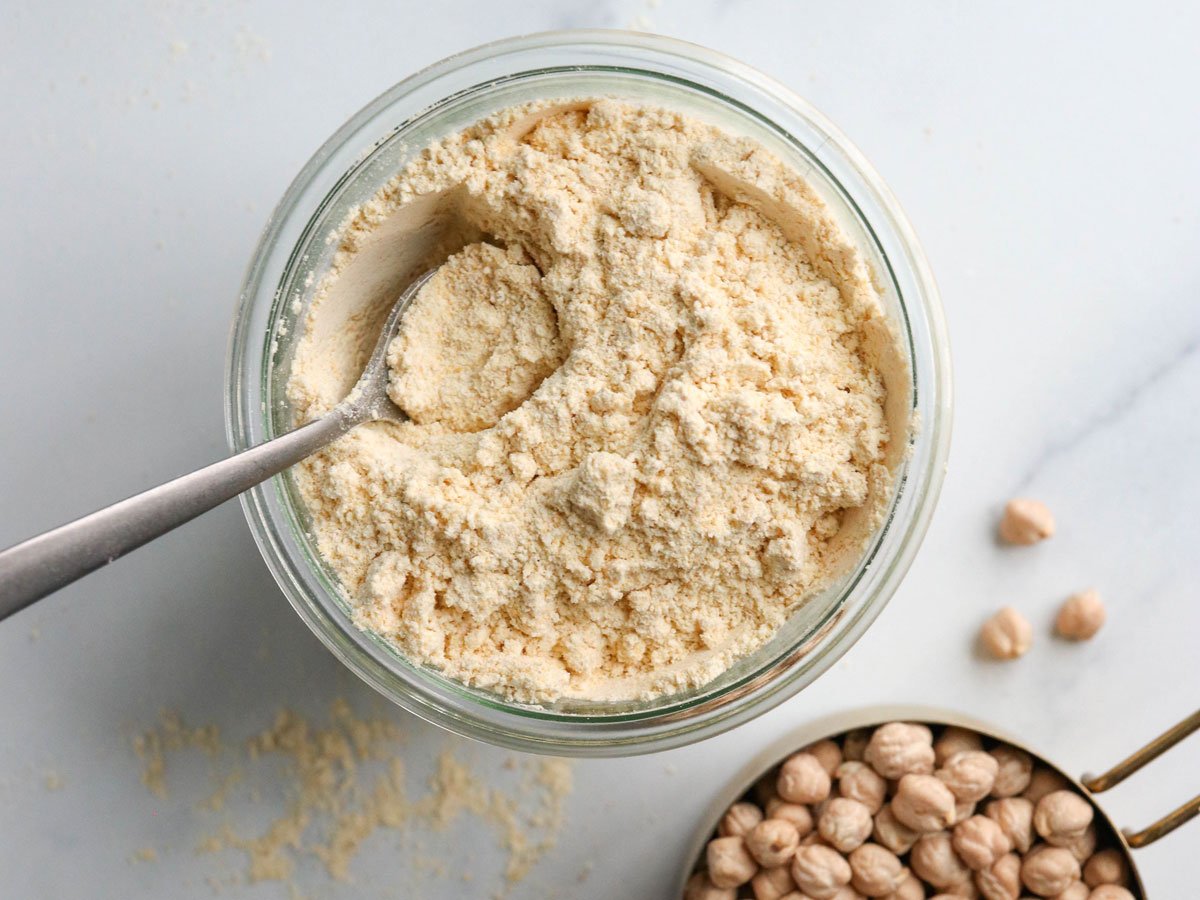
(345, 782)
(655, 403)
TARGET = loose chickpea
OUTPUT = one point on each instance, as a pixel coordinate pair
(700, 888)
(934, 860)
(970, 775)
(854, 744)
(910, 888)
(900, 748)
(1044, 781)
(892, 833)
(955, 740)
(1014, 768)
(1106, 867)
(1002, 880)
(1007, 634)
(802, 779)
(772, 842)
(1110, 892)
(1081, 616)
(729, 862)
(875, 871)
(1076, 890)
(820, 872)
(1062, 816)
(1084, 845)
(739, 820)
(845, 823)
(858, 781)
(1048, 870)
(923, 803)
(796, 813)
(979, 842)
(1014, 815)
(828, 753)
(772, 884)
(1026, 522)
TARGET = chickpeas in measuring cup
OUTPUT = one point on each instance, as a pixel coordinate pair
(911, 803)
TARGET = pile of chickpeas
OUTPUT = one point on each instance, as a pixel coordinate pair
(897, 812)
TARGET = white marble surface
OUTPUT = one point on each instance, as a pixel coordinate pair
(1046, 154)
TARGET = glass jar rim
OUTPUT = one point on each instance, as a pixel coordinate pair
(251, 350)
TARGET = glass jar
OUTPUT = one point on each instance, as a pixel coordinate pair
(446, 97)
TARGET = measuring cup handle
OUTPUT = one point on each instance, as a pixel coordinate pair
(1135, 761)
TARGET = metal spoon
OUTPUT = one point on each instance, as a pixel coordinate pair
(41, 565)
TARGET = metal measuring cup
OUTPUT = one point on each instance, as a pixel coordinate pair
(1088, 786)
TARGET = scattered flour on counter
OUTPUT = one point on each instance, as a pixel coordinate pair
(656, 404)
(345, 781)
(172, 734)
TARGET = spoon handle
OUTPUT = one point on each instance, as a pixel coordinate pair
(41, 565)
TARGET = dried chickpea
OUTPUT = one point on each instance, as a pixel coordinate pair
(923, 803)
(813, 837)
(729, 862)
(1083, 846)
(963, 810)
(828, 753)
(772, 884)
(970, 775)
(845, 823)
(1002, 880)
(1026, 522)
(1007, 634)
(820, 872)
(739, 820)
(796, 813)
(802, 779)
(1014, 815)
(1106, 867)
(934, 860)
(858, 781)
(700, 888)
(1110, 892)
(955, 740)
(772, 842)
(900, 748)
(1044, 781)
(1048, 870)
(892, 833)
(979, 842)
(875, 871)
(1062, 816)
(1076, 890)
(1014, 768)
(910, 888)
(1081, 616)
(854, 744)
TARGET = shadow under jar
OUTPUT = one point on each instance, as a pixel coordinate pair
(447, 97)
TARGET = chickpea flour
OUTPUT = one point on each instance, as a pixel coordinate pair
(656, 404)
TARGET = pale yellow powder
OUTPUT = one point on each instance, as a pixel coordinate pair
(345, 781)
(619, 499)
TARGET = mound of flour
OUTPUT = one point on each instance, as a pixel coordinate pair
(655, 403)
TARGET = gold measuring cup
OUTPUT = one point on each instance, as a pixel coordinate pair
(1088, 786)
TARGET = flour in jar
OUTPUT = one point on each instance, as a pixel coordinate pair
(655, 403)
